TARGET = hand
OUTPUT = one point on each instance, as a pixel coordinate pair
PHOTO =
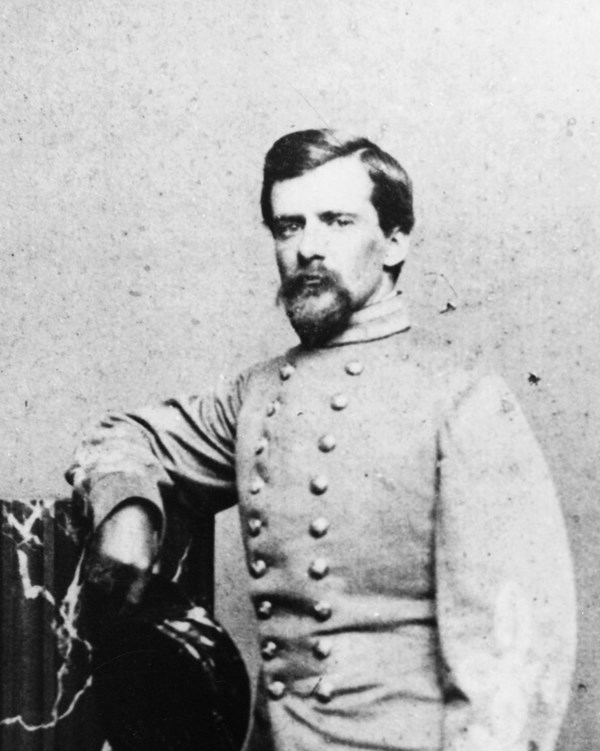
(122, 554)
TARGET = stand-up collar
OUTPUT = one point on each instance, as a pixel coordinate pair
(374, 322)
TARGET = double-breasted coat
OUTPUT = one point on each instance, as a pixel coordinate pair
(406, 552)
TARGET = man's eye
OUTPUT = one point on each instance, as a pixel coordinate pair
(340, 221)
(284, 231)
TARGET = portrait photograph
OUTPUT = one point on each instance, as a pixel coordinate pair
(300, 402)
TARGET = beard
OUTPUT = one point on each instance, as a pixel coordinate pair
(317, 304)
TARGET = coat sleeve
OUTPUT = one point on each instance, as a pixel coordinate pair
(187, 445)
(504, 583)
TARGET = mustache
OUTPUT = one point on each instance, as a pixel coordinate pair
(307, 283)
(317, 304)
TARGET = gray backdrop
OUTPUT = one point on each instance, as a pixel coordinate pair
(134, 264)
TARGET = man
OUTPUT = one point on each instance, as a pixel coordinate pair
(407, 556)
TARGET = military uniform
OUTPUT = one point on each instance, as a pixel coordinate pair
(407, 555)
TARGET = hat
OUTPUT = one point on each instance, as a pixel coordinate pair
(168, 677)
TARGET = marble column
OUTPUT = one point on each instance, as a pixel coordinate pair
(46, 702)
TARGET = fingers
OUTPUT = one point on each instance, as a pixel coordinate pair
(111, 591)
(117, 569)
(129, 537)
(137, 587)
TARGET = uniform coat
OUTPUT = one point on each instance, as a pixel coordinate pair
(407, 555)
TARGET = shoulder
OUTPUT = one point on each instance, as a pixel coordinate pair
(455, 373)
(260, 375)
(438, 354)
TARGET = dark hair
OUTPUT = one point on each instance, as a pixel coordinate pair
(299, 152)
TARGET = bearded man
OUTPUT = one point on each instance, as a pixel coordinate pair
(408, 561)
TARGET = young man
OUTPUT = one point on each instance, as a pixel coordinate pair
(407, 556)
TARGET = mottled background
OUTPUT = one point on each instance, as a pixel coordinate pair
(134, 263)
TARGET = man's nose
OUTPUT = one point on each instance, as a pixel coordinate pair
(311, 246)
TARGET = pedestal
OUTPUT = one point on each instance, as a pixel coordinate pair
(46, 697)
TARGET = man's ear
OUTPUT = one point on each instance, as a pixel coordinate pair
(397, 248)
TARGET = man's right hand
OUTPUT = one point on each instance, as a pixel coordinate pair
(122, 553)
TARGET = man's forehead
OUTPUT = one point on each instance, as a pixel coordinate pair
(342, 184)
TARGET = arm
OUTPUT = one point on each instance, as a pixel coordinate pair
(505, 593)
(130, 464)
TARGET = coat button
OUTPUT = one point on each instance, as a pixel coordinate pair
(256, 485)
(276, 690)
(319, 484)
(354, 367)
(258, 568)
(264, 610)
(327, 443)
(319, 568)
(318, 527)
(339, 401)
(286, 371)
(254, 526)
(268, 650)
(324, 692)
(322, 649)
(261, 445)
(322, 610)
(271, 409)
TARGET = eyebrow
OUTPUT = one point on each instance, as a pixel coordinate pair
(327, 215)
(330, 215)
(288, 218)
(324, 216)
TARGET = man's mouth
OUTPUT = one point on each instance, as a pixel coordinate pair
(307, 284)
(317, 304)
(312, 280)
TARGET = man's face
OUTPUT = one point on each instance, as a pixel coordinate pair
(330, 249)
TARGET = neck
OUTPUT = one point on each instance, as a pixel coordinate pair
(376, 321)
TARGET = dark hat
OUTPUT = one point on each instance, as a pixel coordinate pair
(168, 677)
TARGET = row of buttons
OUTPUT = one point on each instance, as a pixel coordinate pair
(338, 402)
(321, 610)
(319, 567)
(323, 691)
(321, 649)
(319, 483)
(326, 443)
(317, 528)
(354, 367)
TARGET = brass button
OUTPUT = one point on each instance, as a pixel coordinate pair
(319, 568)
(327, 443)
(324, 692)
(254, 527)
(268, 650)
(322, 649)
(354, 367)
(271, 409)
(319, 484)
(261, 445)
(256, 485)
(264, 610)
(286, 371)
(258, 568)
(322, 610)
(276, 690)
(339, 401)
(318, 527)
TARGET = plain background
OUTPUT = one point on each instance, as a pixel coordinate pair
(134, 264)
